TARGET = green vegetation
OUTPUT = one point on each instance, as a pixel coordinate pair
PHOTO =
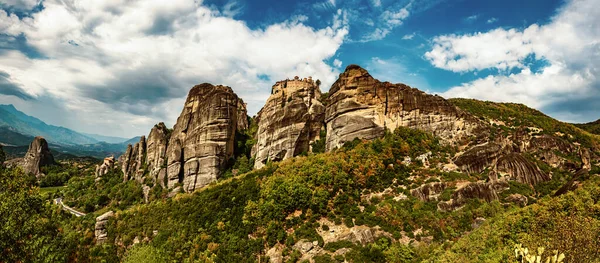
(29, 231)
(514, 116)
(569, 223)
(592, 127)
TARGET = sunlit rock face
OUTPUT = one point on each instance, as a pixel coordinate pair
(289, 122)
(363, 107)
(156, 153)
(37, 156)
(202, 140)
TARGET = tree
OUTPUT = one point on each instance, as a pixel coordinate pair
(27, 232)
(318, 82)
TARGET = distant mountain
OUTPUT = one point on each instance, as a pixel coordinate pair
(18, 129)
(108, 139)
(132, 141)
(591, 127)
(24, 124)
(10, 137)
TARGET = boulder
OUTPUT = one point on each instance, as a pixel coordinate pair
(362, 107)
(37, 156)
(202, 140)
(289, 122)
(100, 232)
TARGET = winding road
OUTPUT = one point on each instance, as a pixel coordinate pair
(58, 201)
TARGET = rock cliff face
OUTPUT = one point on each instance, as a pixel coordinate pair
(133, 161)
(156, 153)
(37, 155)
(363, 107)
(106, 165)
(289, 122)
(203, 137)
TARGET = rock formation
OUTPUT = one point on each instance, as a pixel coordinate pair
(487, 191)
(289, 122)
(202, 140)
(363, 107)
(428, 192)
(133, 161)
(156, 153)
(106, 166)
(100, 232)
(37, 156)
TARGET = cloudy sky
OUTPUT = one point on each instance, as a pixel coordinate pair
(116, 67)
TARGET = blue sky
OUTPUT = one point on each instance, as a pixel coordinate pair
(117, 67)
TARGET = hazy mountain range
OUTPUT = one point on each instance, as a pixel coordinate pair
(18, 129)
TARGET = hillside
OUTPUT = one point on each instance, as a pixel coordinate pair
(591, 127)
(381, 172)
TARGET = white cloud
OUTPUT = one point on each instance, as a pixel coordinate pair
(129, 64)
(409, 36)
(570, 45)
(376, 3)
(20, 4)
(492, 20)
(387, 21)
(471, 18)
(337, 63)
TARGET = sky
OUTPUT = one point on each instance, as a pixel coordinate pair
(117, 67)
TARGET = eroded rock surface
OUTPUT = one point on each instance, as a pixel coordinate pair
(156, 153)
(487, 191)
(105, 167)
(37, 156)
(428, 192)
(289, 122)
(363, 107)
(100, 232)
(203, 137)
(133, 160)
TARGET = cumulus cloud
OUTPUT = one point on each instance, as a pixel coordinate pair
(569, 45)
(134, 61)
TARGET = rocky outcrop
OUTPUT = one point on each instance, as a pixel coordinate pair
(517, 199)
(133, 161)
(100, 232)
(202, 140)
(156, 153)
(37, 156)
(476, 159)
(105, 167)
(502, 161)
(289, 122)
(428, 192)
(363, 107)
(487, 191)
(521, 169)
